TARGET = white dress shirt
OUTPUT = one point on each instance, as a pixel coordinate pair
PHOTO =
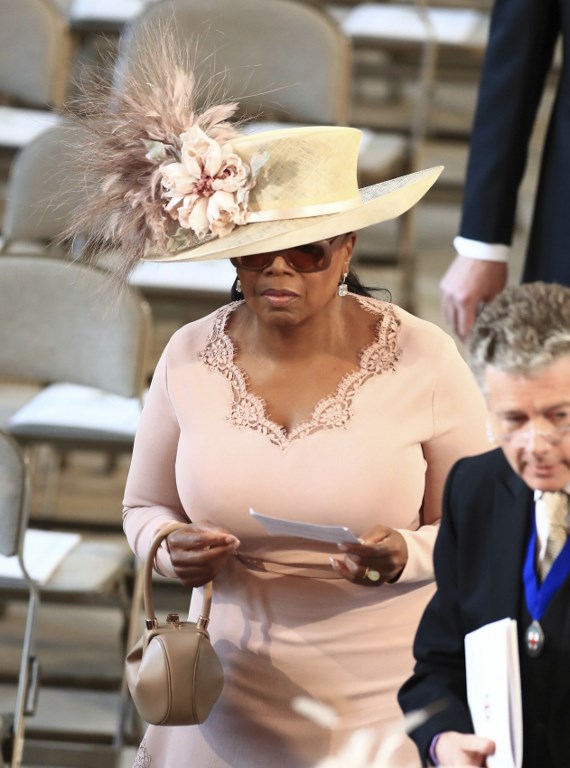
(475, 249)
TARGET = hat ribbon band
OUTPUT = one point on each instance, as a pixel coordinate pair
(302, 212)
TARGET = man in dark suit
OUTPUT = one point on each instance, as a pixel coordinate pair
(495, 556)
(518, 58)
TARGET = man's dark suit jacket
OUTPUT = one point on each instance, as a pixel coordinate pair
(479, 554)
(518, 57)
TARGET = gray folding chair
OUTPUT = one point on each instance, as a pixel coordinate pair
(14, 500)
(282, 60)
(35, 51)
(97, 571)
(42, 191)
(68, 329)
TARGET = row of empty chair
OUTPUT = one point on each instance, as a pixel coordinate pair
(88, 571)
(74, 347)
(395, 30)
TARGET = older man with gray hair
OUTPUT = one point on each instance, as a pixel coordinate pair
(503, 549)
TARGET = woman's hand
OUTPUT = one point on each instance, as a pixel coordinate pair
(380, 557)
(198, 553)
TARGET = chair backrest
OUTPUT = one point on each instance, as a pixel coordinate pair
(13, 495)
(43, 189)
(63, 321)
(35, 48)
(282, 60)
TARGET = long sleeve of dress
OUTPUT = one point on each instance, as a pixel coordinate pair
(459, 418)
(151, 498)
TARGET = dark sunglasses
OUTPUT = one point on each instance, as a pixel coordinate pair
(302, 258)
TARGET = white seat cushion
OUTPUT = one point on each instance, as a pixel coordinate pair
(43, 552)
(210, 277)
(19, 126)
(80, 565)
(72, 410)
(13, 396)
(449, 25)
(105, 10)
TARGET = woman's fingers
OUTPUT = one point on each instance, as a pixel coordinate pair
(199, 552)
(383, 551)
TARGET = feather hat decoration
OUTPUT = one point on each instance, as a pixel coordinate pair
(124, 139)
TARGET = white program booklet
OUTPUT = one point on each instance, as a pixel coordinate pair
(333, 534)
(494, 690)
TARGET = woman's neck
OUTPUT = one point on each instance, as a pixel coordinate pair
(327, 332)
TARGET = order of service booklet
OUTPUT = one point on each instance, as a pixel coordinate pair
(278, 526)
(494, 689)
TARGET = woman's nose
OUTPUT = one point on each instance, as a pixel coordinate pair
(278, 263)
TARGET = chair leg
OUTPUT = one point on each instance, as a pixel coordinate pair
(27, 679)
(6, 739)
(111, 463)
(52, 483)
(45, 471)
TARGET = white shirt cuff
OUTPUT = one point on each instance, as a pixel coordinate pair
(474, 249)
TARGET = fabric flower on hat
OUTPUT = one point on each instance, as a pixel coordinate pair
(208, 188)
(150, 162)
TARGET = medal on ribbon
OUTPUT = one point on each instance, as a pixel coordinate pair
(537, 595)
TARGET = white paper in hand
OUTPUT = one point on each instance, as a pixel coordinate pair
(333, 534)
(494, 689)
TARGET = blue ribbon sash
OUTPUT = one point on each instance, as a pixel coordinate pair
(537, 595)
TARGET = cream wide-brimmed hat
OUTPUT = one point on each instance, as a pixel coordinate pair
(304, 190)
(164, 181)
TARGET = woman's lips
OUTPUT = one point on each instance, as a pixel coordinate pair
(278, 298)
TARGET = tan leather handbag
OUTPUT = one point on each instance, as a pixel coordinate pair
(173, 673)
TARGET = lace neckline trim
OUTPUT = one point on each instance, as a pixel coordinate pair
(333, 411)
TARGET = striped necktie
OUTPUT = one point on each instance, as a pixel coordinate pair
(557, 512)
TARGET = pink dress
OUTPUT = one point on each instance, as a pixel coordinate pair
(284, 625)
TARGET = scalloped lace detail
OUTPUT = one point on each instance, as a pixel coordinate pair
(332, 411)
(143, 758)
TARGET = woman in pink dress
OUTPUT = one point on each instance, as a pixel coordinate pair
(306, 399)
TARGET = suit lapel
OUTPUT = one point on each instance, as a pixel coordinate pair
(510, 525)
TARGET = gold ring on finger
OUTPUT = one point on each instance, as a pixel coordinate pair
(372, 574)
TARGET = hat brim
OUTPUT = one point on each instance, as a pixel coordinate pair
(378, 202)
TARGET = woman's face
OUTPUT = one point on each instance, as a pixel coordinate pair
(281, 294)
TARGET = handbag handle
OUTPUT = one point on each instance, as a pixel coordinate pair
(151, 621)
